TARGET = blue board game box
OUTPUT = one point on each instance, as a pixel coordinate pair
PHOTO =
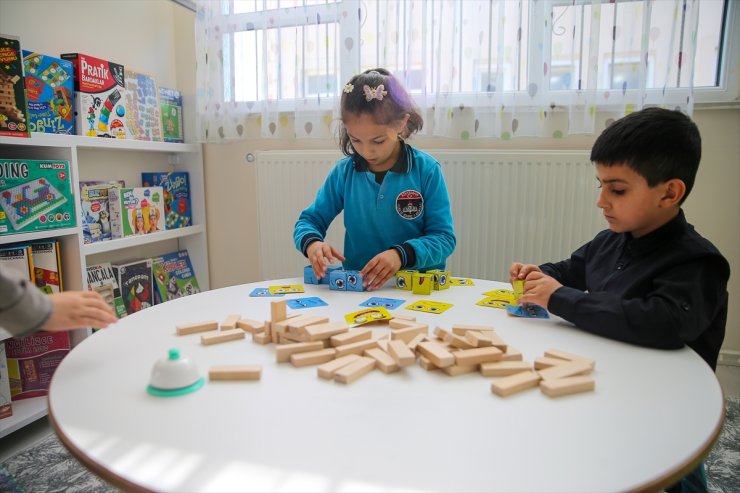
(35, 195)
(176, 185)
(50, 93)
(174, 276)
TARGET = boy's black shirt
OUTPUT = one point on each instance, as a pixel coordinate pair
(663, 290)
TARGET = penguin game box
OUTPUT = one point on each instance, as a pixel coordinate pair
(100, 97)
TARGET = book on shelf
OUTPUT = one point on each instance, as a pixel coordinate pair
(50, 93)
(176, 186)
(136, 211)
(14, 121)
(96, 225)
(6, 405)
(47, 266)
(174, 276)
(170, 103)
(102, 279)
(135, 282)
(142, 102)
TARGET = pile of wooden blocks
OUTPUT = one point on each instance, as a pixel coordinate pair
(345, 354)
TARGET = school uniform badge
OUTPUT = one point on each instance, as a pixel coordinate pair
(409, 204)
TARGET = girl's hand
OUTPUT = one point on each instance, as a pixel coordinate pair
(320, 255)
(78, 309)
(538, 288)
(521, 271)
(380, 268)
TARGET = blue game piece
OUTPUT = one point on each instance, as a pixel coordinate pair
(337, 280)
(353, 280)
(527, 311)
(308, 275)
(329, 270)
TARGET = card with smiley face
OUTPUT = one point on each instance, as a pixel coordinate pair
(429, 306)
(367, 316)
(287, 289)
(387, 303)
(495, 302)
(310, 302)
(461, 281)
(263, 292)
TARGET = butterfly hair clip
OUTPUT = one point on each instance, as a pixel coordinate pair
(374, 92)
(348, 88)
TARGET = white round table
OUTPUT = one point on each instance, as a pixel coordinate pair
(653, 416)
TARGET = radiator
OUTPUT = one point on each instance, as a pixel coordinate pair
(528, 206)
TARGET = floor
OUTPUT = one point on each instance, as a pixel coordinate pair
(728, 376)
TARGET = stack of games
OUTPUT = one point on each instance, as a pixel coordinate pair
(49, 88)
(100, 102)
(13, 107)
(35, 195)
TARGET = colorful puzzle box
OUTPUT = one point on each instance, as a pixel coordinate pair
(50, 93)
(95, 211)
(136, 211)
(142, 104)
(100, 97)
(174, 276)
(32, 360)
(170, 104)
(35, 195)
(176, 185)
(13, 107)
(136, 284)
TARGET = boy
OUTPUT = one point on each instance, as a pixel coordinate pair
(650, 279)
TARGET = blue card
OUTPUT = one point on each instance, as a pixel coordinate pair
(387, 303)
(527, 311)
(263, 292)
(310, 302)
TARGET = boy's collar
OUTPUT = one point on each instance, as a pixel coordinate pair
(659, 236)
(403, 165)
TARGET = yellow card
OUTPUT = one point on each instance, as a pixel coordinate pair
(429, 306)
(291, 288)
(518, 285)
(502, 294)
(366, 316)
(461, 281)
(495, 302)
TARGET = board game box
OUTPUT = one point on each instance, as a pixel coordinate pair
(176, 186)
(142, 104)
(35, 195)
(50, 93)
(95, 211)
(135, 282)
(174, 276)
(170, 104)
(136, 211)
(32, 360)
(47, 266)
(100, 97)
(17, 258)
(6, 406)
(103, 279)
(13, 105)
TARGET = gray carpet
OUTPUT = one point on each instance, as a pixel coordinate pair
(47, 467)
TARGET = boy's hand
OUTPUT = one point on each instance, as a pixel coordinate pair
(538, 288)
(381, 267)
(521, 271)
(78, 309)
(320, 255)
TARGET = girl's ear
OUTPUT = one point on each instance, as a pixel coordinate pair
(400, 126)
(674, 191)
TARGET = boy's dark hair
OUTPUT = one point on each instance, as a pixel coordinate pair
(394, 106)
(658, 144)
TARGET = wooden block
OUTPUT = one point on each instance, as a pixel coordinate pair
(441, 333)
(354, 370)
(436, 353)
(252, 326)
(556, 353)
(262, 338)
(401, 353)
(298, 325)
(408, 333)
(512, 354)
(281, 327)
(504, 368)
(456, 370)
(497, 341)
(460, 342)
(415, 341)
(278, 311)
(567, 386)
(383, 360)
(477, 339)
(288, 339)
(405, 317)
(327, 370)
(196, 327)
(565, 370)
(230, 322)
(383, 344)
(358, 347)
(427, 364)
(350, 337)
(283, 353)
(462, 329)
(325, 330)
(542, 362)
(477, 356)
(235, 372)
(401, 323)
(221, 336)
(312, 357)
(515, 383)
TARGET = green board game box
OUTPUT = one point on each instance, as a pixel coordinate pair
(35, 195)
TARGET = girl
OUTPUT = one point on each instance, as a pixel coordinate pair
(396, 207)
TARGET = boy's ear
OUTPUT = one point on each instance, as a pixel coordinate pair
(674, 191)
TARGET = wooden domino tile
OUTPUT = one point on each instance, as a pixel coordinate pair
(229, 322)
(427, 364)
(284, 351)
(543, 362)
(401, 323)
(325, 330)
(504, 368)
(196, 327)
(312, 357)
(401, 353)
(235, 372)
(409, 332)
(512, 354)
(328, 369)
(567, 369)
(460, 342)
(221, 336)
(461, 329)
(515, 383)
(556, 353)
(567, 386)
(262, 338)
(353, 371)
(456, 370)
(477, 356)
(477, 339)
(298, 326)
(252, 326)
(351, 336)
(383, 360)
(415, 341)
(436, 353)
(356, 347)
(278, 311)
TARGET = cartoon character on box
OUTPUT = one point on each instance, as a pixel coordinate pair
(153, 220)
(137, 219)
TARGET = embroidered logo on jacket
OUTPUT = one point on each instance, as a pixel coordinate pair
(409, 204)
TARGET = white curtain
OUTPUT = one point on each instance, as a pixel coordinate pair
(477, 69)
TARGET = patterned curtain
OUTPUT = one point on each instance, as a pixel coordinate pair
(476, 68)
